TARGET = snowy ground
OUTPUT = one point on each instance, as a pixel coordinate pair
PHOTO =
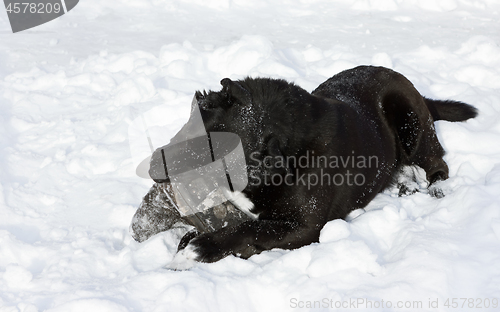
(70, 88)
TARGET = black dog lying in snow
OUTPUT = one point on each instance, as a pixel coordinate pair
(355, 134)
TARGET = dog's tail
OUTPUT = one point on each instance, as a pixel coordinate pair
(450, 110)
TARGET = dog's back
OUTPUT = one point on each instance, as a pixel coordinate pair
(387, 98)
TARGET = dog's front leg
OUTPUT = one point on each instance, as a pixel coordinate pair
(245, 240)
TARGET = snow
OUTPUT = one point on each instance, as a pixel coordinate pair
(71, 88)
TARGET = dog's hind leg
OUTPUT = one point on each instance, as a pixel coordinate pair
(408, 115)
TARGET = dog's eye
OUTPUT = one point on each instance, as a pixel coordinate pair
(214, 100)
(206, 105)
(203, 100)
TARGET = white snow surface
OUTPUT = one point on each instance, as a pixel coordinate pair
(70, 88)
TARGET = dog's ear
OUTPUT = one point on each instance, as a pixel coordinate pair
(234, 90)
(200, 96)
(200, 100)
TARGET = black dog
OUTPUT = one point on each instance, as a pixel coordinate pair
(315, 157)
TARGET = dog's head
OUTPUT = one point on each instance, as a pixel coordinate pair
(253, 109)
(233, 109)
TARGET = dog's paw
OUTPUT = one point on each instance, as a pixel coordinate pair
(203, 248)
(412, 179)
(211, 247)
(184, 259)
(407, 189)
(437, 190)
(187, 238)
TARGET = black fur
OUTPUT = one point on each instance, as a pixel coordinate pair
(365, 111)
